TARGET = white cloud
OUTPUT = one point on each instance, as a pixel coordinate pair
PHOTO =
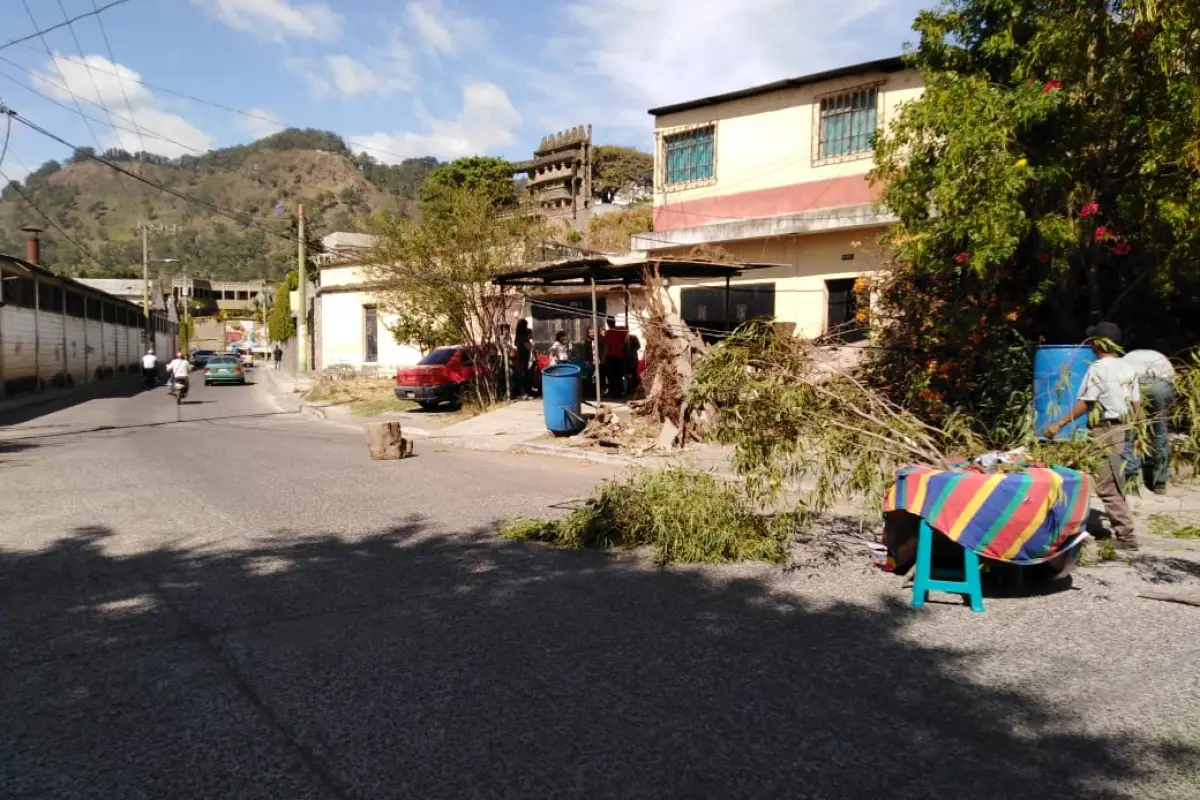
(351, 77)
(636, 54)
(277, 20)
(95, 79)
(260, 123)
(485, 122)
(441, 30)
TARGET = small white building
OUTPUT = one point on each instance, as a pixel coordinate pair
(349, 326)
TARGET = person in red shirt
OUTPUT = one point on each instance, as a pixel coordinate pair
(613, 368)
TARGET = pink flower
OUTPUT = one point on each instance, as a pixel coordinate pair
(961, 258)
(1122, 249)
(1050, 86)
(1089, 209)
(1043, 257)
(1102, 233)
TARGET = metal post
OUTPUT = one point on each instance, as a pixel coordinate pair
(302, 312)
(728, 327)
(595, 343)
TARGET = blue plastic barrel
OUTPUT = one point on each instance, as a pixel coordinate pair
(562, 399)
(1058, 372)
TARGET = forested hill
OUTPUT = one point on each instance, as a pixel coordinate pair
(264, 181)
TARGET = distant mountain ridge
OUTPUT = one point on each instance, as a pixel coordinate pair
(264, 181)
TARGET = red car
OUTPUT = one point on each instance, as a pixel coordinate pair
(440, 376)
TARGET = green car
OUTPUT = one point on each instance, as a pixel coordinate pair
(224, 369)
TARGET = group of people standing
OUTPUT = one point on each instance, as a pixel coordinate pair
(618, 352)
(1115, 391)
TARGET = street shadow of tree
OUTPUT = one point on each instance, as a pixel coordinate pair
(417, 663)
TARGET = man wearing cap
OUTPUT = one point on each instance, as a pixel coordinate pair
(1110, 389)
(1156, 380)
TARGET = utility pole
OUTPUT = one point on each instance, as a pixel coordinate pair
(146, 228)
(302, 312)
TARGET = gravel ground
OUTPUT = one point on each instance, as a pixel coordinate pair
(225, 600)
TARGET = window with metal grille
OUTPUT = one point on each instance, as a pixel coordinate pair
(848, 123)
(690, 155)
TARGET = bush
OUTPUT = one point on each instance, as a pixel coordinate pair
(687, 516)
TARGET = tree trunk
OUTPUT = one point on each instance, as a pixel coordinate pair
(385, 442)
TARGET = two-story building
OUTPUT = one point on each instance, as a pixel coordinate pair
(778, 174)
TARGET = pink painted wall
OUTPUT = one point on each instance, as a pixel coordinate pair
(842, 192)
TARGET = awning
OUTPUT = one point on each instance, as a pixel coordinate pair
(626, 270)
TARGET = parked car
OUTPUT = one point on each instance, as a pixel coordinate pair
(224, 369)
(200, 358)
(440, 376)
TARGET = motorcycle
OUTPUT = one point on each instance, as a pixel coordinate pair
(179, 388)
(150, 377)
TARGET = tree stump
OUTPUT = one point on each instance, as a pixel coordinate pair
(385, 442)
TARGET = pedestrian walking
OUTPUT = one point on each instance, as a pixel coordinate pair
(278, 353)
(1156, 383)
(1110, 396)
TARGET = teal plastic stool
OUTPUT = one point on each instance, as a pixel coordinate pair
(928, 580)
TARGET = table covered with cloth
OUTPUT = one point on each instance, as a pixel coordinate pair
(1026, 517)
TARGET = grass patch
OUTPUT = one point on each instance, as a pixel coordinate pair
(365, 397)
(686, 516)
(1168, 527)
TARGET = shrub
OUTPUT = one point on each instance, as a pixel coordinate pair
(685, 515)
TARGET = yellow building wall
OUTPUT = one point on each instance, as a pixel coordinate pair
(808, 261)
(766, 141)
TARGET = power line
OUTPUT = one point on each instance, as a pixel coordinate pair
(94, 13)
(91, 75)
(236, 216)
(58, 69)
(47, 98)
(7, 136)
(230, 109)
(120, 79)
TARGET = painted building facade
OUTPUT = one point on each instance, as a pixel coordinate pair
(778, 174)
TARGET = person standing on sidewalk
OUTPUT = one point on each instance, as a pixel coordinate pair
(278, 353)
(1156, 381)
(1111, 390)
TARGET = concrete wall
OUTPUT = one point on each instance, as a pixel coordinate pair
(342, 333)
(39, 347)
(766, 160)
(801, 295)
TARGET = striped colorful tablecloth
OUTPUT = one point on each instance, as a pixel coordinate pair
(1021, 517)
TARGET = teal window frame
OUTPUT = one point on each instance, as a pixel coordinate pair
(848, 121)
(690, 156)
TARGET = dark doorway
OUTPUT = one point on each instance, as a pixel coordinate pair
(841, 316)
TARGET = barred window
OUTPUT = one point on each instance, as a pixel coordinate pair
(848, 123)
(690, 155)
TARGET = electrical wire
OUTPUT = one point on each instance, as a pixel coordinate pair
(53, 101)
(94, 13)
(58, 69)
(120, 79)
(16, 187)
(235, 216)
(86, 66)
(7, 135)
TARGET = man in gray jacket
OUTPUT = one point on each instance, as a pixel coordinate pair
(1156, 377)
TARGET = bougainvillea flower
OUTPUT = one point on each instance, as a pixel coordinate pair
(1122, 249)
(1043, 257)
(1089, 209)
(961, 258)
(1050, 86)
(1102, 233)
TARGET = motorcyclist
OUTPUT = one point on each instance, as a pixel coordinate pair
(150, 365)
(177, 371)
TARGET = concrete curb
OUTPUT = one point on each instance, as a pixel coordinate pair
(575, 455)
(312, 412)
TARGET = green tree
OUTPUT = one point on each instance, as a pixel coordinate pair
(436, 275)
(610, 232)
(615, 168)
(1049, 176)
(484, 176)
(280, 325)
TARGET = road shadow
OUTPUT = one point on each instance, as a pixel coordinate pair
(416, 663)
(50, 401)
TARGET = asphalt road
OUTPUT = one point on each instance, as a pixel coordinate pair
(226, 600)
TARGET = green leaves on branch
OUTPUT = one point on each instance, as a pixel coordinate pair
(483, 176)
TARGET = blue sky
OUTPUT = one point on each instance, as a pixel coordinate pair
(398, 79)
